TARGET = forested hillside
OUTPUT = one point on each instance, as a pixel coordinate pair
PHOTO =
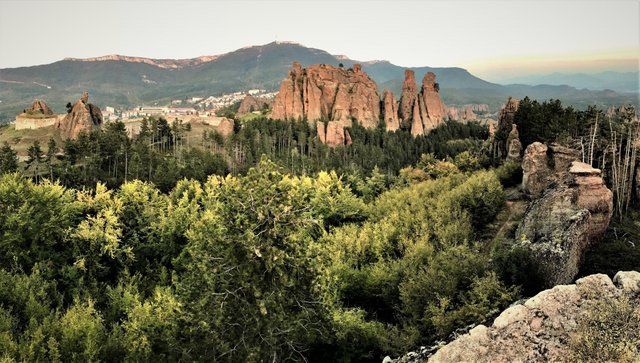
(269, 246)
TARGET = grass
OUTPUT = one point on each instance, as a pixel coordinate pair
(21, 140)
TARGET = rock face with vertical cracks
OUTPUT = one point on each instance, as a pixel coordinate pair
(423, 111)
(325, 92)
(572, 210)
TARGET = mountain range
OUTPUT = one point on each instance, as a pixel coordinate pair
(124, 81)
(626, 82)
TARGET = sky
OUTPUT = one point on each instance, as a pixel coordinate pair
(496, 40)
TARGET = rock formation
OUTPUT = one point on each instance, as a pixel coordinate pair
(574, 210)
(390, 111)
(225, 127)
(499, 145)
(84, 116)
(540, 329)
(435, 110)
(514, 146)
(39, 108)
(335, 134)
(543, 166)
(250, 103)
(408, 97)
(463, 114)
(324, 92)
(423, 111)
(452, 113)
(417, 127)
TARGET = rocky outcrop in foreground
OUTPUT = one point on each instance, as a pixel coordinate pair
(250, 103)
(84, 116)
(541, 328)
(573, 210)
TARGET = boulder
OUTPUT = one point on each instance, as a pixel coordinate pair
(390, 111)
(324, 92)
(225, 127)
(84, 116)
(569, 216)
(539, 329)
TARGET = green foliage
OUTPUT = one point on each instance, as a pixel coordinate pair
(515, 267)
(509, 173)
(255, 267)
(8, 159)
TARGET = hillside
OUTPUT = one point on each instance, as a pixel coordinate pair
(125, 81)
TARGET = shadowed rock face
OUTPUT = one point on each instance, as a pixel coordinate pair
(324, 92)
(84, 116)
(250, 103)
(573, 210)
(539, 329)
(500, 145)
(408, 97)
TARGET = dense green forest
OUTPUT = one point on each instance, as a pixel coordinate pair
(266, 245)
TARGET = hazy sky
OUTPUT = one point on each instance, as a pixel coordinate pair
(493, 39)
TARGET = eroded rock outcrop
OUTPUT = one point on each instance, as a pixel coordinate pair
(434, 107)
(84, 116)
(408, 97)
(225, 127)
(514, 146)
(424, 111)
(543, 166)
(390, 111)
(574, 210)
(39, 107)
(250, 104)
(499, 144)
(461, 113)
(324, 92)
(540, 329)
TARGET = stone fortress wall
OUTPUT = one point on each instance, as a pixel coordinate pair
(31, 123)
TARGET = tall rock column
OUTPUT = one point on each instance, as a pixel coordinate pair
(408, 96)
(436, 111)
(390, 111)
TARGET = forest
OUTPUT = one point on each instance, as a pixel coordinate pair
(264, 246)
